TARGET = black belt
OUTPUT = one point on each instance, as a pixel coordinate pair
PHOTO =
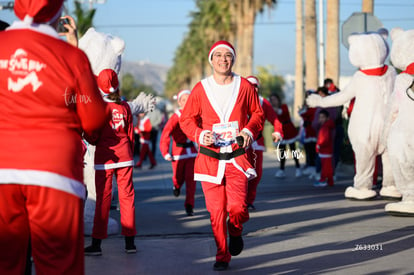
(222, 156)
(185, 145)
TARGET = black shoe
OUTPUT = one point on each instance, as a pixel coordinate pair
(251, 207)
(129, 245)
(236, 245)
(189, 210)
(176, 191)
(152, 166)
(220, 266)
(94, 249)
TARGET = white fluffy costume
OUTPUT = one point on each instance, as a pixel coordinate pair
(399, 123)
(104, 51)
(371, 86)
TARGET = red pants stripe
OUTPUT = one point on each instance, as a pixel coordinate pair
(126, 195)
(327, 171)
(257, 160)
(52, 219)
(183, 171)
(228, 197)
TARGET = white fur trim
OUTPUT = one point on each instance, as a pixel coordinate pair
(221, 46)
(43, 178)
(114, 165)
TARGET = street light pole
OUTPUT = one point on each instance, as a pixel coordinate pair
(321, 45)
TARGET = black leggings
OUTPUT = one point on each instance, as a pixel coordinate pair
(310, 150)
(282, 148)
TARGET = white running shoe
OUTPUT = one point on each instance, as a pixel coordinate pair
(280, 174)
(298, 172)
(320, 184)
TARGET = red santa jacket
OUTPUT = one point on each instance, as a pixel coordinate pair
(324, 145)
(114, 147)
(272, 117)
(48, 98)
(308, 115)
(144, 130)
(289, 130)
(182, 147)
(200, 114)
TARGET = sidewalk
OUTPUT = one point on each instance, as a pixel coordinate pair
(296, 229)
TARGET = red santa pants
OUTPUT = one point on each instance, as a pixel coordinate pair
(183, 171)
(145, 151)
(257, 161)
(126, 195)
(327, 170)
(51, 219)
(227, 197)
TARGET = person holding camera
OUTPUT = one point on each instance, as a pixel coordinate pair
(221, 109)
(49, 99)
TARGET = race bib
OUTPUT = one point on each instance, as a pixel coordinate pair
(225, 133)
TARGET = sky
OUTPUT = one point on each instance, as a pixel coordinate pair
(154, 29)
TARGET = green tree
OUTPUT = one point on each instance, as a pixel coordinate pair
(130, 88)
(269, 82)
(83, 18)
(214, 20)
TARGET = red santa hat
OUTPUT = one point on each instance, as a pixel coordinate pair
(181, 93)
(254, 81)
(107, 82)
(38, 11)
(219, 44)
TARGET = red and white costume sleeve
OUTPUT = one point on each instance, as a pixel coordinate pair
(182, 147)
(47, 102)
(272, 117)
(200, 114)
(114, 148)
(289, 130)
(308, 115)
(324, 145)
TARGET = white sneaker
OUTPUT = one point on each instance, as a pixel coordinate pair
(308, 170)
(320, 184)
(280, 174)
(298, 172)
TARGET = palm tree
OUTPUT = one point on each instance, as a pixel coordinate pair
(368, 6)
(244, 13)
(332, 41)
(311, 55)
(84, 19)
(299, 93)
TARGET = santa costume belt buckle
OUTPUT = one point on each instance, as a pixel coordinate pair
(222, 156)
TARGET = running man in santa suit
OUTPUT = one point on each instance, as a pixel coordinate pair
(258, 145)
(220, 108)
(49, 98)
(183, 153)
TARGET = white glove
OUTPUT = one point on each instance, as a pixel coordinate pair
(143, 103)
(313, 100)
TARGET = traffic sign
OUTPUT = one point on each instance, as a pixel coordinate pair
(359, 22)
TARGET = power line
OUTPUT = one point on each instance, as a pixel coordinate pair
(180, 25)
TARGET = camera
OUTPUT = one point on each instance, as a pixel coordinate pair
(61, 28)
